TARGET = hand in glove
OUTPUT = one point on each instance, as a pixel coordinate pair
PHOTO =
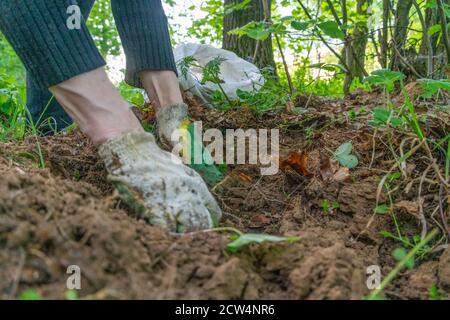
(156, 186)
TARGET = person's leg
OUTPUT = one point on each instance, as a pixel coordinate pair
(159, 189)
(142, 25)
(46, 113)
(66, 61)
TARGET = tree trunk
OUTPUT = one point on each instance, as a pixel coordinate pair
(384, 34)
(439, 58)
(244, 46)
(355, 50)
(400, 34)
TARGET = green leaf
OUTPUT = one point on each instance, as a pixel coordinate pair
(300, 26)
(30, 294)
(386, 234)
(382, 209)
(254, 30)
(383, 117)
(385, 77)
(332, 29)
(401, 253)
(71, 295)
(344, 156)
(328, 66)
(250, 238)
(431, 86)
(434, 29)
(435, 294)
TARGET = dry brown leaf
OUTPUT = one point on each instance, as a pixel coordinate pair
(328, 168)
(245, 178)
(261, 219)
(343, 174)
(297, 161)
(412, 207)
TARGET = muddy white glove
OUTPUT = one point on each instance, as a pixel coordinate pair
(168, 120)
(156, 187)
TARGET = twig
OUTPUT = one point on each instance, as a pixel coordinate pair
(383, 180)
(340, 58)
(421, 215)
(405, 62)
(15, 284)
(441, 210)
(286, 69)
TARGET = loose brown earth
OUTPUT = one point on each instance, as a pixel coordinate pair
(68, 214)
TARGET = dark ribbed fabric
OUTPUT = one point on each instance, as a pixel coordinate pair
(46, 113)
(143, 29)
(52, 53)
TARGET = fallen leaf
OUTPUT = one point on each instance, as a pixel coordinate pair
(412, 207)
(244, 240)
(245, 178)
(343, 174)
(261, 219)
(297, 161)
(328, 168)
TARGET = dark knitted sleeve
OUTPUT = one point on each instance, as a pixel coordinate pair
(50, 51)
(143, 29)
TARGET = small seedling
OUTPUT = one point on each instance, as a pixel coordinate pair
(328, 206)
(435, 293)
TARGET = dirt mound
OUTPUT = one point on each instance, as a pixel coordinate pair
(48, 223)
(68, 214)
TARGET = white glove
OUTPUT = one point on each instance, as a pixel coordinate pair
(169, 119)
(157, 187)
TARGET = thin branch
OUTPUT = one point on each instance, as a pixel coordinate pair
(340, 58)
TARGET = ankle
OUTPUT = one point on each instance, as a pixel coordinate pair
(162, 87)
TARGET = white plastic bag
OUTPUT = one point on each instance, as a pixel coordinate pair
(236, 73)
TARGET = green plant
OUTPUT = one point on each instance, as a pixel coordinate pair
(328, 206)
(406, 259)
(382, 117)
(431, 86)
(400, 253)
(408, 242)
(344, 156)
(210, 73)
(30, 294)
(12, 109)
(386, 78)
(435, 293)
(133, 95)
(71, 295)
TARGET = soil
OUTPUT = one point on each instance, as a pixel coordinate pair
(68, 214)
